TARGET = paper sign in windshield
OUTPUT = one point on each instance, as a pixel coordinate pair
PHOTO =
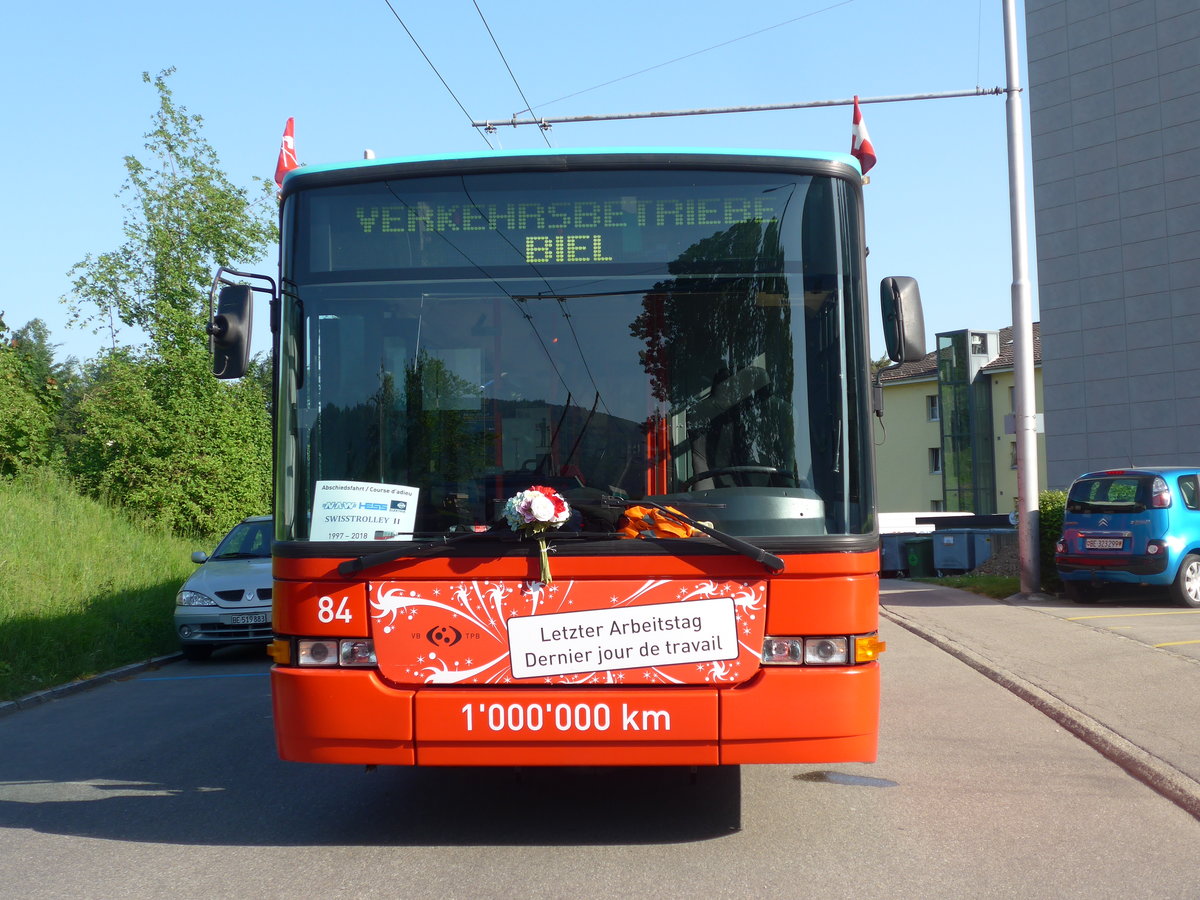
(363, 511)
(633, 637)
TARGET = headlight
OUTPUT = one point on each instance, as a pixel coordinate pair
(783, 651)
(318, 653)
(826, 651)
(193, 598)
(850, 650)
(357, 653)
(351, 652)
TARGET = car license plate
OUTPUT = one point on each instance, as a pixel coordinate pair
(1103, 543)
(249, 619)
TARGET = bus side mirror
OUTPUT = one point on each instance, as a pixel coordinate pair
(903, 320)
(229, 331)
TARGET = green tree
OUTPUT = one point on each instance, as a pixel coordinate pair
(165, 439)
(184, 217)
(151, 428)
(26, 423)
(1051, 507)
(44, 376)
(260, 371)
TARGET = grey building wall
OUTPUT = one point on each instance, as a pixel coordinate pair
(1114, 103)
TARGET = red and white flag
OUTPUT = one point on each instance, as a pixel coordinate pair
(861, 147)
(287, 152)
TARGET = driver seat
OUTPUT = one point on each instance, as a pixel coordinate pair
(719, 438)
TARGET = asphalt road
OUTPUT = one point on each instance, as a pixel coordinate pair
(166, 784)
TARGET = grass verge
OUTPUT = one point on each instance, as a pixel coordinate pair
(82, 588)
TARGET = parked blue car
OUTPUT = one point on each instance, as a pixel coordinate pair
(1132, 527)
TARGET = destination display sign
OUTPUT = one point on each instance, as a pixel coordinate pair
(369, 228)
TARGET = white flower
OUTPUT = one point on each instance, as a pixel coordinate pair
(541, 507)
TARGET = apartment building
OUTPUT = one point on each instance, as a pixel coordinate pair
(945, 441)
(1114, 104)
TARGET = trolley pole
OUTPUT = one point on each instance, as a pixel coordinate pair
(545, 122)
(1025, 400)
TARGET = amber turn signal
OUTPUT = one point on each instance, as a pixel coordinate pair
(868, 647)
(280, 651)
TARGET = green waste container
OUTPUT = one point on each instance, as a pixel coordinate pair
(918, 553)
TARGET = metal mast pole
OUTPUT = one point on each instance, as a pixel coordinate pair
(1025, 400)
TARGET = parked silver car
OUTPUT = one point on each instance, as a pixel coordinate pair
(228, 599)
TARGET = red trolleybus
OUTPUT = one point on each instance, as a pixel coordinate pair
(667, 346)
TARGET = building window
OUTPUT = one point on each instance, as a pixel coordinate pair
(1012, 455)
(979, 344)
(935, 460)
(933, 412)
(935, 506)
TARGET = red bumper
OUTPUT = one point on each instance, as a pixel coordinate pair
(783, 715)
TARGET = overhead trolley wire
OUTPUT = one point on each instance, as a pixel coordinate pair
(979, 44)
(507, 66)
(660, 65)
(518, 304)
(435, 70)
(520, 301)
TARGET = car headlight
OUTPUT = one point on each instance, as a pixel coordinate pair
(193, 598)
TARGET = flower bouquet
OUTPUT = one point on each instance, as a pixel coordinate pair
(535, 511)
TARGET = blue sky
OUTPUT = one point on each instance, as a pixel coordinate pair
(74, 106)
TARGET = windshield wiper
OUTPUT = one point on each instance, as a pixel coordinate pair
(406, 549)
(764, 557)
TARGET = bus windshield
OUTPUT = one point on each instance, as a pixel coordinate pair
(689, 336)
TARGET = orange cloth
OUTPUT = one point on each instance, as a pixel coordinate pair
(646, 520)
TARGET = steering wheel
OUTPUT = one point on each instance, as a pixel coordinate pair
(732, 470)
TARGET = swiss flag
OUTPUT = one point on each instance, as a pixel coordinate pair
(287, 152)
(861, 147)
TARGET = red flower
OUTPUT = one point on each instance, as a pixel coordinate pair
(560, 505)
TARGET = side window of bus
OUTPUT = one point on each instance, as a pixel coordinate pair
(1188, 489)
